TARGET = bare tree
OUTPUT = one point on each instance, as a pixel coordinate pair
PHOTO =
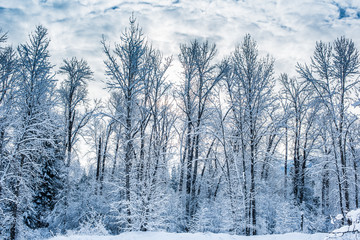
(73, 94)
(332, 74)
(127, 69)
(303, 112)
(250, 89)
(200, 77)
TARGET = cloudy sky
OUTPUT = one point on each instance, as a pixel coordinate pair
(286, 29)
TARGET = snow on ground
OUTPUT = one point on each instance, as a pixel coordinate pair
(193, 236)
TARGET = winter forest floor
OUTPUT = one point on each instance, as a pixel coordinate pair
(193, 236)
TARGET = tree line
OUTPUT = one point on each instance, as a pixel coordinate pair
(232, 147)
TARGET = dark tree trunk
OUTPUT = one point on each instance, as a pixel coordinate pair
(325, 187)
(128, 158)
(98, 163)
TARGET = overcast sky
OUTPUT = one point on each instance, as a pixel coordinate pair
(286, 29)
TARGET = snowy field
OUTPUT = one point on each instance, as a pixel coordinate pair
(193, 236)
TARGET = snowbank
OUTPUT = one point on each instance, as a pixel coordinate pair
(192, 236)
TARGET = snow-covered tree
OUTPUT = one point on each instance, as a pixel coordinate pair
(34, 158)
(142, 123)
(333, 74)
(126, 70)
(250, 93)
(73, 94)
(200, 76)
(302, 119)
(73, 97)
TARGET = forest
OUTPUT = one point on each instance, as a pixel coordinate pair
(233, 147)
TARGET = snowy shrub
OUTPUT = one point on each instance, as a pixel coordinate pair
(40, 233)
(348, 232)
(92, 225)
(205, 220)
(288, 218)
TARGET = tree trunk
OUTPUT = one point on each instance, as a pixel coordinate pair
(189, 166)
(128, 160)
(286, 161)
(15, 209)
(98, 165)
(116, 154)
(356, 185)
(104, 154)
(325, 191)
(252, 174)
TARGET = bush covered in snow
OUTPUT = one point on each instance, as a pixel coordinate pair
(92, 225)
(348, 232)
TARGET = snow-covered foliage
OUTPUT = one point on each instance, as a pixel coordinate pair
(350, 231)
(93, 224)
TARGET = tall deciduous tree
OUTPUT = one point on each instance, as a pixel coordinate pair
(250, 91)
(126, 68)
(73, 93)
(200, 77)
(303, 112)
(333, 75)
(73, 97)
